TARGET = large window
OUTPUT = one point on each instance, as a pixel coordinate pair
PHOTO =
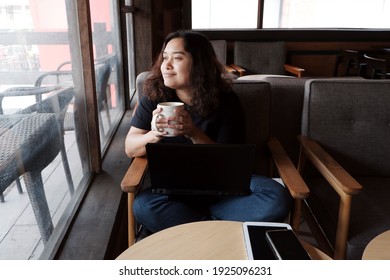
(326, 14)
(108, 64)
(219, 14)
(61, 97)
(214, 14)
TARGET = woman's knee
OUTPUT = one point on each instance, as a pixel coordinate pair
(144, 204)
(276, 196)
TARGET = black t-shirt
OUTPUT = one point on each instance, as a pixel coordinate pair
(224, 125)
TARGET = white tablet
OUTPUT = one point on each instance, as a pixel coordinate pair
(256, 245)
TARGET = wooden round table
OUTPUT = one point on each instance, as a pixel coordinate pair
(378, 248)
(208, 240)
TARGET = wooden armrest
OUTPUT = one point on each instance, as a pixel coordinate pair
(333, 172)
(294, 70)
(230, 69)
(239, 69)
(287, 171)
(135, 174)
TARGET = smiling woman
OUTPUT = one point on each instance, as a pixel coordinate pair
(175, 68)
(188, 71)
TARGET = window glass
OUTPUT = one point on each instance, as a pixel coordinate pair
(326, 14)
(107, 56)
(218, 14)
(130, 49)
(215, 14)
(41, 173)
(44, 146)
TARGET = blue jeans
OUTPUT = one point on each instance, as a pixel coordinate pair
(269, 201)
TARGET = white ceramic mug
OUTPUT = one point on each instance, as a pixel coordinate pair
(168, 110)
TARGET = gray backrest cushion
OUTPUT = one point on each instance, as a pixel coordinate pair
(220, 50)
(351, 120)
(139, 84)
(286, 111)
(260, 57)
(255, 97)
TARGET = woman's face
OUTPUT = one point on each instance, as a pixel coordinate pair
(176, 65)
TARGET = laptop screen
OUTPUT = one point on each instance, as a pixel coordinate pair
(205, 169)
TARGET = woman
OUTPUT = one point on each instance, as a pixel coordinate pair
(187, 70)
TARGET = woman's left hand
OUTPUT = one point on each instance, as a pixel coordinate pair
(184, 125)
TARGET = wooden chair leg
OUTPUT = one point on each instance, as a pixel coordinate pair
(295, 215)
(342, 228)
(131, 219)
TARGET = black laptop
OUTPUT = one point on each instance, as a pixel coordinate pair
(203, 169)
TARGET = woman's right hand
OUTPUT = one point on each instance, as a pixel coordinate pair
(137, 139)
(158, 123)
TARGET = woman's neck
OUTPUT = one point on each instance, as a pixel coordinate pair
(184, 96)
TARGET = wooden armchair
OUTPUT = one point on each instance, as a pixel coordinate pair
(374, 68)
(263, 58)
(345, 137)
(255, 97)
(349, 63)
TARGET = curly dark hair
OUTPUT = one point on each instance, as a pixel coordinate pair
(206, 74)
